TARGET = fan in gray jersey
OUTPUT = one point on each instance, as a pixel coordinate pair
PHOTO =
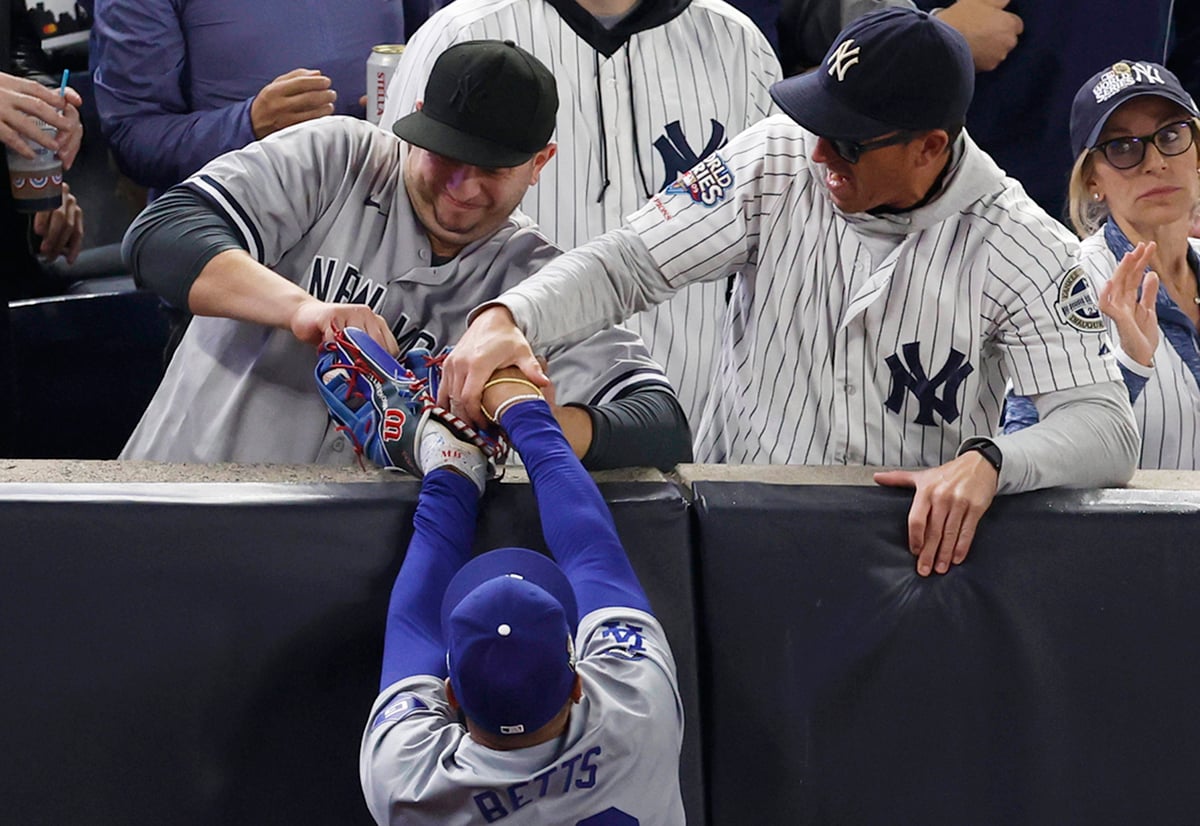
(335, 224)
(890, 282)
(566, 685)
(648, 89)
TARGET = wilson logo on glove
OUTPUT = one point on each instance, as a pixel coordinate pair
(393, 425)
(383, 405)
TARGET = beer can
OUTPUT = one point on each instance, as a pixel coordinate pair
(381, 65)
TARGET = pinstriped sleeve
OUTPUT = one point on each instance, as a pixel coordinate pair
(706, 225)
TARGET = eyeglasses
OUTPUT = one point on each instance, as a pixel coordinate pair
(851, 151)
(1127, 152)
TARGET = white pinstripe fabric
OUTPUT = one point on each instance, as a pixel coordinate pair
(709, 64)
(1168, 409)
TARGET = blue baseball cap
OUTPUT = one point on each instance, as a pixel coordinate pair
(1106, 90)
(509, 618)
(893, 69)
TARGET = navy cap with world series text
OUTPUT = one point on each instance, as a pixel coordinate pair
(1104, 92)
(487, 103)
(895, 69)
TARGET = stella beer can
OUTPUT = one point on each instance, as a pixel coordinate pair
(381, 65)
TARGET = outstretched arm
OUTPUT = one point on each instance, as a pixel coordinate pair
(444, 527)
(581, 292)
(182, 248)
(576, 522)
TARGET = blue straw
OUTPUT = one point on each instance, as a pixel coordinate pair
(62, 87)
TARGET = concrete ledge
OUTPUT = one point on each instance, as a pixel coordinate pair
(56, 471)
(89, 472)
(857, 475)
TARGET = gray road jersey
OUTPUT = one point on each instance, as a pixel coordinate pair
(620, 753)
(323, 205)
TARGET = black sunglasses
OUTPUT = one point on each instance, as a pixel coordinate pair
(851, 151)
(1128, 151)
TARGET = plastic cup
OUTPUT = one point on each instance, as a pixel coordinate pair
(37, 183)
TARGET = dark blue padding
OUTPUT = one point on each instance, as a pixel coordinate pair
(85, 367)
(208, 653)
(1052, 679)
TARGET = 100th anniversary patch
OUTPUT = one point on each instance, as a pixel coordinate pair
(1077, 305)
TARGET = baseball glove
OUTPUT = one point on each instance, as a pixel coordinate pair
(383, 406)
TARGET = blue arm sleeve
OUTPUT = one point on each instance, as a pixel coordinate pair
(1019, 413)
(576, 522)
(444, 528)
(140, 94)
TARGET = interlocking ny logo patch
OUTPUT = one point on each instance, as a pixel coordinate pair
(678, 155)
(910, 375)
(845, 56)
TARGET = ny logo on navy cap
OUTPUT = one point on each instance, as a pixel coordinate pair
(842, 58)
(893, 69)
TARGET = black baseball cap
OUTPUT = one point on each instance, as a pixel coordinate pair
(1104, 91)
(488, 103)
(893, 69)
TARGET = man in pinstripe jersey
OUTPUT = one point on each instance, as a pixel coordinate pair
(891, 280)
(648, 89)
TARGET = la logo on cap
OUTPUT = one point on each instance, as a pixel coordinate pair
(845, 56)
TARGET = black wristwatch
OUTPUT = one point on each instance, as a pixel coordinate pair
(987, 448)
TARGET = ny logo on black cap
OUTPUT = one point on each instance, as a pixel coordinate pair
(464, 92)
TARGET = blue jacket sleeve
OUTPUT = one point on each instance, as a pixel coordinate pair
(576, 522)
(140, 76)
(443, 530)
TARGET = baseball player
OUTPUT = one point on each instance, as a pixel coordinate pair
(1132, 194)
(562, 675)
(647, 90)
(890, 281)
(335, 224)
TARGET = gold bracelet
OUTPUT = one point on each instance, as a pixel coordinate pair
(509, 402)
(513, 380)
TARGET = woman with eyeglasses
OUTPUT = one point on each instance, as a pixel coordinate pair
(1133, 194)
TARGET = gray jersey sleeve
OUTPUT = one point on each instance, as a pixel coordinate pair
(584, 291)
(602, 367)
(413, 719)
(275, 190)
(629, 650)
(1087, 437)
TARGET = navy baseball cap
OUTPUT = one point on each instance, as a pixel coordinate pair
(488, 103)
(1104, 91)
(893, 69)
(509, 618)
